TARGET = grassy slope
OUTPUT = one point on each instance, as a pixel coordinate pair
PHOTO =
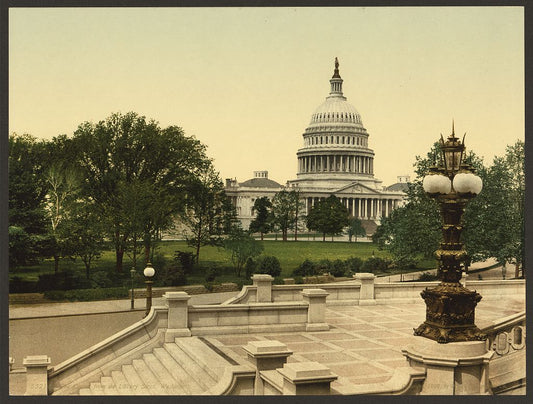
(291, 254)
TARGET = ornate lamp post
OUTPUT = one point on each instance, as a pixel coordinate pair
(450, 307)
(149, 271)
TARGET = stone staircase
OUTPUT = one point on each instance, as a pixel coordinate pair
(187, 366)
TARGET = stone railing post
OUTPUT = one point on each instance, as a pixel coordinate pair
(11, 363)
(36, 375)
(266, 355)
(178, 315)
(264, 287)
(366, 294)
(306, 378)
(456, 368)
(316, 313)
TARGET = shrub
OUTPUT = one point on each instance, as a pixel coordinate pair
(427, 277)
(174, 276)
(338, 268)
(211, 273)
(159, 262)
(19, 285)
(354, 264)
(298, 280)
(322, 267)
(250, 267)
(278, 280)
(269, 265)
(306, 268)
(375, 264)
(64, 280)
(84, 295)
(185, 259)
(101, 279)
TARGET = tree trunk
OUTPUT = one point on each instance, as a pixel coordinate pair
(56, 264)
(284, 233)
(517, 270)
(323, 236)
(87, 268)
(261, 236)
(119, 252)
(198, 250)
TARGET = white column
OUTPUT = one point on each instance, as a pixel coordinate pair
(386, 208)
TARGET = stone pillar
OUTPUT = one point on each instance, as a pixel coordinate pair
(264, 287)
(366, 293)
(316, 313)
(36, 375)
(306, 378)
(11, 363)
(386, 208)
(266, 355)
(178, 315)
(456, 368)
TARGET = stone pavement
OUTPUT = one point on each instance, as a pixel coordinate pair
(364, 343)
(362, 346)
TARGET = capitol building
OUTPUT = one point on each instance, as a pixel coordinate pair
(335, 160)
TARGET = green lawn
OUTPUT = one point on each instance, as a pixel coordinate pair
(291, 254)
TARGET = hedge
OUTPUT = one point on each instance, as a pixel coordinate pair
(85, 295)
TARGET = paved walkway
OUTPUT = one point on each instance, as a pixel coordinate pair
(103, 306)
(364, 343)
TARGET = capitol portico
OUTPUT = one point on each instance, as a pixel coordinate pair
(335, 160)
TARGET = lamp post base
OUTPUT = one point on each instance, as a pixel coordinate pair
(450, 314)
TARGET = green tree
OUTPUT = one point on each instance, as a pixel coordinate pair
(494, 221)
(262, 223)
(355, 229)
(28, 236)
(123, 149)
(84, 234)
(209, 214)
(63, 188)
(328, 216)
(285, 208)
(242, 247)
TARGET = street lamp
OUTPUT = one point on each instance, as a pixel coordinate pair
(133, 273)
(450, 307)
(149, 271)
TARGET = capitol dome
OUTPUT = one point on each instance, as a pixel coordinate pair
(335, 141)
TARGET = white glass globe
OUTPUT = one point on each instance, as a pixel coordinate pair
(437, 184)
(149, 271)
(467, 182)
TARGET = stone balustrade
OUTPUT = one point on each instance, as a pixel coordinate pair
(364, 290)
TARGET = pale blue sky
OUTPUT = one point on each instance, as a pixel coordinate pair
(245, 81)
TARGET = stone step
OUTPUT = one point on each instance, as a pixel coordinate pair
(150, 381)
(96, 389)
(136, 383)
(201, 353)
(121, 384)
(109, 386)
(85, 392)
(189, 364)
(183, 379)
(162, 374)
(213, 362)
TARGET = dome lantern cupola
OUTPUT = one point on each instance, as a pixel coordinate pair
(336, 82)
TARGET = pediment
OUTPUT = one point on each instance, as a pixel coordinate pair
(357, 188)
